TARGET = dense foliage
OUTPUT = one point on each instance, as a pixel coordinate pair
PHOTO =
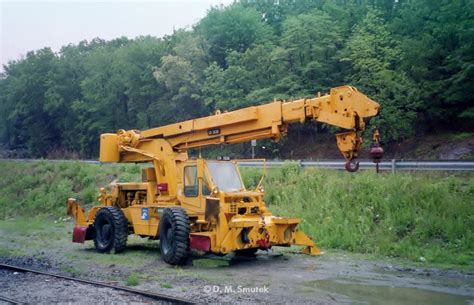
(413, 56)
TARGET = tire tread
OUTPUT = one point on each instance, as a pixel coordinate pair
(180, 223)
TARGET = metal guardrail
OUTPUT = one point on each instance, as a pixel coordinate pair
(391, 165)
(53, 161)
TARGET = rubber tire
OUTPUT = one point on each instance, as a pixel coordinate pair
(250, 252)
(118, 230)
(174, 236)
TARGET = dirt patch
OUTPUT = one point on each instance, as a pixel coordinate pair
(442, 146)
(446, 146)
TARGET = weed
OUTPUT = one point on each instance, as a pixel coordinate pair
(166, 285)
(132, 280)
(463, 136)
(72, 271)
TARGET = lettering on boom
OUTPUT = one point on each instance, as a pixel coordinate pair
(213, 131)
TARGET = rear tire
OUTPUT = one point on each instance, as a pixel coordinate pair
(111, 230)
(174, 236)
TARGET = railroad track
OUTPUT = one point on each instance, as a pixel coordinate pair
(8, 300)
(152, 295)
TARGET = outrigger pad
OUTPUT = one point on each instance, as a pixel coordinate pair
(302, 239)
(311, 251)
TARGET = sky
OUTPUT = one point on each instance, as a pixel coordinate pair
(32, 25)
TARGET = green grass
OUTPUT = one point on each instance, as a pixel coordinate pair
(42, 188)
(210, 263)
(72, 271)
(132, 280)
(11, 252)
(408, 215)
(463, 136)
(28, 235)
(166, 285)
(403, 215)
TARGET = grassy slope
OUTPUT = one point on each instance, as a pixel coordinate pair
(407, 215)
(42, 188)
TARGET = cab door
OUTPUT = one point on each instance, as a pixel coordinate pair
(194, 186)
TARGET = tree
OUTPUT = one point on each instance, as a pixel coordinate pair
(63, 87)
(232, 28)
(374, 58)
(437, 39)
(119, 90)
(29, 125)
(414, 57)
(181, 100)
(251, 78)
(312, 43)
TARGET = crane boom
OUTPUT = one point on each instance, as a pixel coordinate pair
(343, 107)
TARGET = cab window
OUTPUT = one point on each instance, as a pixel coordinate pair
(190, 181)
(225, 176)
(205, 187)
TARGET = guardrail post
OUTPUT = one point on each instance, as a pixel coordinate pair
(394, 165)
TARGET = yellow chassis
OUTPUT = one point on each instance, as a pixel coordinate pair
(225, 236)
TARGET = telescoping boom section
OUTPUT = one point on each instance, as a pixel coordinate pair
(202, 204)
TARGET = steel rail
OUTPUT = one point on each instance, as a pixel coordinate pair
(153, 295)
(8, 300)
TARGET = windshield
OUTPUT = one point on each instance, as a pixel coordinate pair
(225, 176)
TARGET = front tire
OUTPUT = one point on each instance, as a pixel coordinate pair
(111, 230)
(174, 236)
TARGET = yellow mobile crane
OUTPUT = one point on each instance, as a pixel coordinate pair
(202, 204)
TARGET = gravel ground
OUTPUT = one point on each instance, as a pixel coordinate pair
(278, 278)
(36, 289)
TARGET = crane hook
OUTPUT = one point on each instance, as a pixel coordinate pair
(352, 166)
(376, 152)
